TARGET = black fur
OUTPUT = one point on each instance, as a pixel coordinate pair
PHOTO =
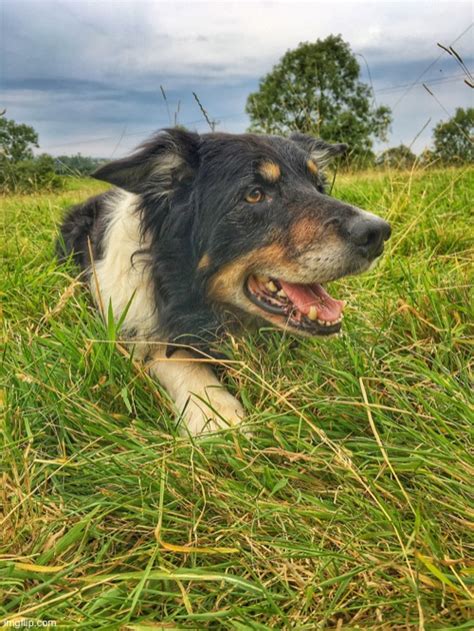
(82, 231)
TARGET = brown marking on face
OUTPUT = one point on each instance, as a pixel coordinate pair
(269, 171)
(312, 167)
(227, 285)
(204, 262)
(304, 232)
(228, 281)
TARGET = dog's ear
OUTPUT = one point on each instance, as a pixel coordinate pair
(320, 151)
(157, 165)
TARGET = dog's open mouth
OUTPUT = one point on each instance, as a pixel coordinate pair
(308, 308)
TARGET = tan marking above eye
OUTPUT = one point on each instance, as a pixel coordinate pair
(255, 196)
(312, 167)
(204, 261)
(269, 171)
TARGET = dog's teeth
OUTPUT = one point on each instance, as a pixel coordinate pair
(271, 286)
(281, 293)
(313, 313)
(325, 322)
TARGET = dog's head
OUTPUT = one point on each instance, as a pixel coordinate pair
(243, 223)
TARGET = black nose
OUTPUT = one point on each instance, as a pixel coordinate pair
(369, 236)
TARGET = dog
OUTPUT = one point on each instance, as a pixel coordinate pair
(204, 234)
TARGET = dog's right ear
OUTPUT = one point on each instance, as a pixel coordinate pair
(320, 151)
(157, 165)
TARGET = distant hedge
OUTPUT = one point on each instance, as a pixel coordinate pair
(28, 175)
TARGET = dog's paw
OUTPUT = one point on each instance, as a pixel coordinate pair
(214, 410)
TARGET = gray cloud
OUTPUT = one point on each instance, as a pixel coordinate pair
(82, 71)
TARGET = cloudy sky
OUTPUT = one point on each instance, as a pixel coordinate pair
(87, 74)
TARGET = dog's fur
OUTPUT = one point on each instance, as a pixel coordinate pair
(191, 219)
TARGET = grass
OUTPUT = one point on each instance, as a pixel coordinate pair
(350, 506)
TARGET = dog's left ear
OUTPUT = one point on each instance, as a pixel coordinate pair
(157, 165)
(320, 151)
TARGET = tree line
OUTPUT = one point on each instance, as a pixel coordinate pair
(23, 171)
(315, 89)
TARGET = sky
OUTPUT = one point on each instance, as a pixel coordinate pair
(87, 74)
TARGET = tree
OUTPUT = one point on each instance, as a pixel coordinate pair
(16, 140)
(315, 89)
(454, 139)
(427, 158)
(401, 157)
(29, 176)
(20, 170)
(77, 165)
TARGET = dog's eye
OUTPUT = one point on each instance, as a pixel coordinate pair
(255, 196)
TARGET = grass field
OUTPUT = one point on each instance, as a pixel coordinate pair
(350, 506)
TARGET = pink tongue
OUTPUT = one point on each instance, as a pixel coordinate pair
(305, 296)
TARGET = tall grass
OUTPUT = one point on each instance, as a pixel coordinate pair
(349, 506)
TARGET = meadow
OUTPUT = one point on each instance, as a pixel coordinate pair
(350, 504)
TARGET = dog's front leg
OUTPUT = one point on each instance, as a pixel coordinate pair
(202, 401)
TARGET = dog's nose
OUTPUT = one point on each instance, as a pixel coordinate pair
(368, 235)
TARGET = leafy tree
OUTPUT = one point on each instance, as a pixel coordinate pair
(427, 158)
(315, 89)
(20, 170)
(401, 157)
(29, 176)
(16, 140)
(454, 139)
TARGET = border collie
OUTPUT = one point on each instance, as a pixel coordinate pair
(203, 234)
